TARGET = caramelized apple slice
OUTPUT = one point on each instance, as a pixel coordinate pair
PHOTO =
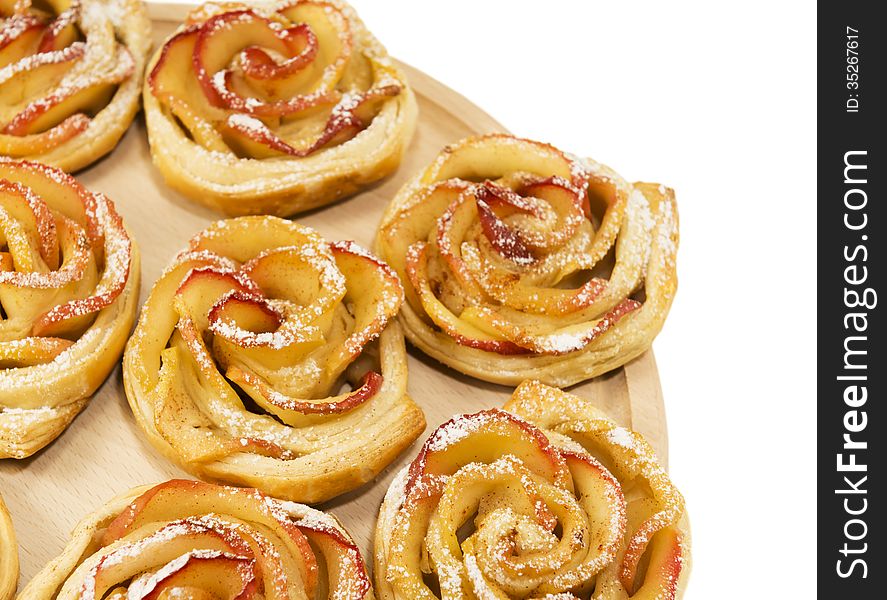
(562, 341)
(225, 86)
(39, 143)
(663, 570)
(75, 249)
(62, 32)
(463, 332)
(224, 35)
(204, 286)
(414, 222)
(19, 35)
(290, 77)
(602, 501)
(69, 197)
(333, 33)
(481, 437)
(34, 217)
(292, 410)
(508, 242)
(344, 565)
(31, 351)
(224, 577)
(373, 304)
(495, 155)
(173, 82)
(48, 112)
(183, 549)
(179, 498)
(118, 259)
(26, 79)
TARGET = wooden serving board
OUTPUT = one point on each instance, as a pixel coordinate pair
(103, 452)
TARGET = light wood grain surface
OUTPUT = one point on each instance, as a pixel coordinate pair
(103, 452)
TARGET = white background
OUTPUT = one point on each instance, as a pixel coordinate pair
(716, 100)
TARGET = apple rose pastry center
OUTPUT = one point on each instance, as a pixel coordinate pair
(518, 253)
(59, 264)
(494, 507)
(270, 83)
(61, 64)
(290, 320)
(69, 278)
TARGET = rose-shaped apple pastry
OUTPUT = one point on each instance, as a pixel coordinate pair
(8, 555)
(545, 499)
(187, 539)
(266, 356)
(70, 77)
(69, 285)
(275, 107)
(520, 261)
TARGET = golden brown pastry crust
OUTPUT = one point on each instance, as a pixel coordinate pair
(70, 77)
(8, 555)
(520, 261)
(199, 540)
(549, 498)
(69, 286)
(236, 367)
(312, 111)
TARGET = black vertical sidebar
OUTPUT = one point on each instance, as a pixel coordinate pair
(852, 260)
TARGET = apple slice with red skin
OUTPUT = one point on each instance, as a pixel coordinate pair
(23, 205)
(180, 498)
(375, 303)
(224, 87)
(663, 572)
(348, 118)
(369, 386)
(74, 241)
(31, 351)
(508, 242)
(202, 288)
(19, 35)
(62, 31)
(348, 577)
(223, 35)
(602, 500)
(69, 197)
(225, 577)
(173, 74)
(206, 538)
(118, 253)
(42, 71)
(556, 343)
(40, 143)
(565, 200)
(519, 246)
(245, 319)
(461, 332)
(291, 77)
(193, 339)
(46, 113)
(258, 64)
(485, 437)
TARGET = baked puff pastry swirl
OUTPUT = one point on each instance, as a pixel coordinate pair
(70, 77)
(521, 261)
(546, 499)
(8, 555)
(192, 540)
(69, 285)
(275, 107)
(265, 356)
